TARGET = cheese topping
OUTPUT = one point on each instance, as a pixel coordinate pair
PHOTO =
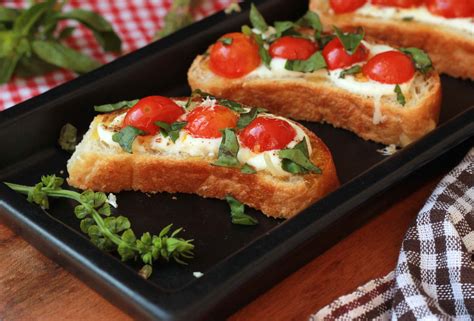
(417, 14)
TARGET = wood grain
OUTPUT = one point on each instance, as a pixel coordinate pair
(34, 288)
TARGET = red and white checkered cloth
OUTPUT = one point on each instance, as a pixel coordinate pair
(135, 21)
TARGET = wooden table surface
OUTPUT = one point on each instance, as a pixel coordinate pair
(34, 288)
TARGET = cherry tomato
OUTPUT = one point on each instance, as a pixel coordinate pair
(344, 6)
(398, 3)
(265, 133)
(451, 8)
(150, 109)
(337, 57)
(236, 59)
(390, 67)
(206, 122)
(292, 48)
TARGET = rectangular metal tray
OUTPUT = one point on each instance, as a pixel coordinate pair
(238, 262)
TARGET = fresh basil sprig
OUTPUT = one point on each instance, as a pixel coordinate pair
(237, 212)
(248, 117)
(257, 20)
(228, 150)
(111, 233)
(126, 136)
(171, 130)
(350, 41)
(400, 97)
(282, 27)
(350, 71)
(107, 108)
(311, 20)
(296, 160)
(313, 63)
(420, 58)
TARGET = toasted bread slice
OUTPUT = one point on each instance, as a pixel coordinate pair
(451, 50)
(102, 167)
(313, 97)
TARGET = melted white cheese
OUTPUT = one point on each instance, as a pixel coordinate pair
(277, 70)
(420, 14)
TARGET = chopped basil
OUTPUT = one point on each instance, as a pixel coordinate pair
(400, 96)
(232, 105)
(262, 51)
(296, 160)
(283, 26)
(226, 41)
(350, 41)
(247, 118)
(115, 106)
(257, 20)
(408, 18)
(324, 40)
(351, 71)
(247, 169)
(171, 130)
(197, 93)
(315, 62)
(228, 150)
(246, 30)
(68, 137)
(420, 58)
(311, 19)
(237, 212)
(126, 136)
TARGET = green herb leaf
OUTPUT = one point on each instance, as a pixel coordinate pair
(400, 96)
(248, 117)
(311, 20)
(8, 15)
(171, 130)
(30, 66)
(7, 67)
(281, 27)
(350, 41)
(296, 160)
(350, 71)
(237, 212)
(68, 137)
(177, 17)
(247, 169)
(66, 32)
(246, 30)
(262, 51)
(115, 106)
(56, 54)
(257, 20)
(313, 63)
(408, 18)
(324, 40)
(226, 41)
(126, 136)
(29, 18)
(420, 58)
(228, 150)
(232, 105)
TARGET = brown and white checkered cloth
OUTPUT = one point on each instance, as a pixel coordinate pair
(434, 277)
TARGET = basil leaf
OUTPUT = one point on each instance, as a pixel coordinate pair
(350, 41)
(28, 18)
(66, 33)
(350, 71)
(311, 20)
(68, 137)
(296, 160)
(313, 63)
(171, 130)
(126, 136)
(400, 97)
(228, 150)
(257, 20)
(247, 118)
(247, 169)
(226, 41)
(283, 26)
(30, 66)
(7, 67)
(246, 30)
(232, 105)
(408, 18)
(262, 51)
(8, 15)
(324, 40)
(420, 58)
(237, 212)
(115, 106)
(62, 56)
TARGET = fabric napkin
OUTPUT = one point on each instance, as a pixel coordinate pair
(434, 277)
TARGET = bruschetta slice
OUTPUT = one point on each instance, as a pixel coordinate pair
(206, 146)
(381, 93)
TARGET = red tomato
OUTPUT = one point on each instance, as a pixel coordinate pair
(150, 109)
(451, 8)
(344, 6)
(398, 3)
(206, 122)
(265, 133)
(293, 48)
(236, 59)
(390, 67)
(337, 57)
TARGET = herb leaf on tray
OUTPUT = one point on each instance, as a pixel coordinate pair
(111, 233)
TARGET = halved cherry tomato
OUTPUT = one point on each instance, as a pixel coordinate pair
(451, 8)
(390, 67)
(292, 48)
(398, 3)
(150, 109)
(206, 122)
(236, 59)
(344, 6)
(265, 133)
(337, 57)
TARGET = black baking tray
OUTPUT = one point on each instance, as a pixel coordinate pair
(238, 262)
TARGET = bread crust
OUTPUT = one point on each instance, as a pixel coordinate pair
(92, 168)
(319, 101)
(451, 51)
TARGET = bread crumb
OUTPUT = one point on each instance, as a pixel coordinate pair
(197, 275)
(61, 172)
(174, 198)
(112, 200)
(209, 102)
(388, 150)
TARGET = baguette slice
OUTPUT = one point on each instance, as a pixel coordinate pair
(451, 50)
(313, 97)
(97, 166)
